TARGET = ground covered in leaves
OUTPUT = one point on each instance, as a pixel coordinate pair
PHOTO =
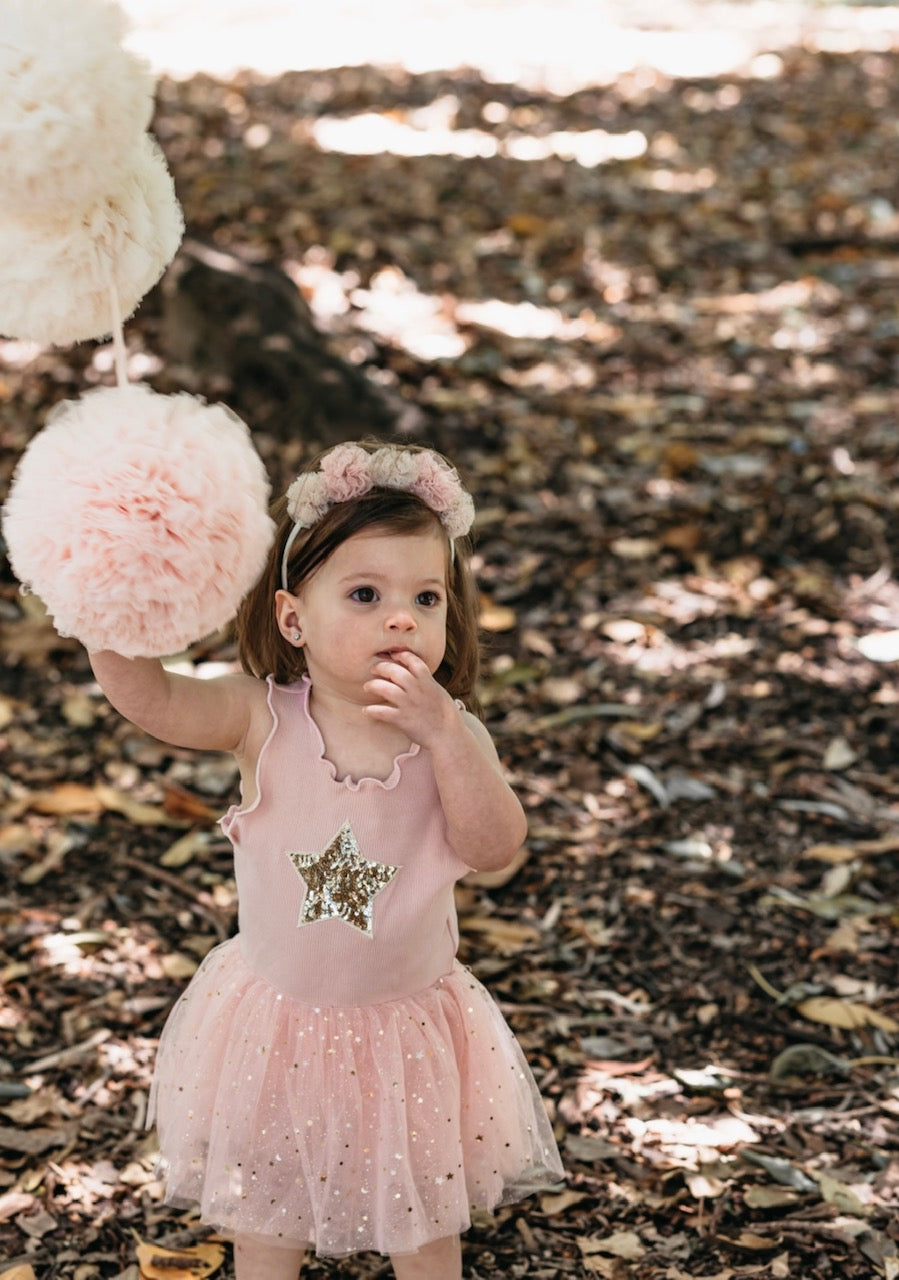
(655, 324)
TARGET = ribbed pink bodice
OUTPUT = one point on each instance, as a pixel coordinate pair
(300, 808)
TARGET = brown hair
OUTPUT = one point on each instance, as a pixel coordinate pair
(264, 651)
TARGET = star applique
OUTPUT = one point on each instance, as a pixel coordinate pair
(341, 884)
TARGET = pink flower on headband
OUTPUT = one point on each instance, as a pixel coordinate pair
(438, 485)
(346, 471)
(349, 471)
(435, 484)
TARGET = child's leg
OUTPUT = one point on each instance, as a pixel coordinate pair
(255, 1260)
(439, 1260)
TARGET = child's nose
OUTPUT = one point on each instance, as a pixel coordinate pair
(401, 620)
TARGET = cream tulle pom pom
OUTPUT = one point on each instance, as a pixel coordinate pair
(139, 519)
(73, 103)
(55, 271)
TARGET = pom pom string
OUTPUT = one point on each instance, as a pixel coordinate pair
(118, 331)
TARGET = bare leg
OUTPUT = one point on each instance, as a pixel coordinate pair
(439, 1260)
(255, 1260)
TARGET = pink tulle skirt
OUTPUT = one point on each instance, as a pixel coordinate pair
(377, 1127)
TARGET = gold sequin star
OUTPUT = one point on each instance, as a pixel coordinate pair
(340, 883)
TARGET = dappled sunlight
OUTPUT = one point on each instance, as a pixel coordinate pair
(440, 326)
(427, 133)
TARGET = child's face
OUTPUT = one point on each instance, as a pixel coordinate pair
(376, 594)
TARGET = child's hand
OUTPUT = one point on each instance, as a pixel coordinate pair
(410, 698)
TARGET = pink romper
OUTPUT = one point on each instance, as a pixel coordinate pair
(333, 1077)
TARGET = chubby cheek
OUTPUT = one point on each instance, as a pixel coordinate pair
(436, 651)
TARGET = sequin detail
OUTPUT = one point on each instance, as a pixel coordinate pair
(341, 883)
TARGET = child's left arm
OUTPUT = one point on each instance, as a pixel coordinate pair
(485, 821)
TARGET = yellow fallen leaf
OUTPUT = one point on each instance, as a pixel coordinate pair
(156, 1263)
(834, 1012)
(18, 1273)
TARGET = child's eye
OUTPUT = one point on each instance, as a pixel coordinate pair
(364, 595)
(428, 598)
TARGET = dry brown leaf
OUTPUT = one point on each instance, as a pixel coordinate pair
(682, 537)
(145, 815)
(551, 1204)
(597, 1265)
(505, 935)
(496, 617)
(12, 1204)
(834, 853)
(182, 805)
(612, 1067)
(770, 1197)
(527, 224)
(634, 548)
(834, 1012)
(184, 849)
(60, 801)
(178, 965)
(620, 1244)
(841, 1197)
(843, 939)
(80, 710)
(195, 1263)
(752, 1242)
(18, 1273)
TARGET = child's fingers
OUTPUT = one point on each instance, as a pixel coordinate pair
(410, 661)
(382, 688)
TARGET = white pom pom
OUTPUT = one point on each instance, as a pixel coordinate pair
(55, 271)
(139, 519)
(73, 103)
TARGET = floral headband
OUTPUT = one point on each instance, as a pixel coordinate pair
(349, 471)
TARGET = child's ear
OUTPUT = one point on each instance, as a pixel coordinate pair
(287, 616)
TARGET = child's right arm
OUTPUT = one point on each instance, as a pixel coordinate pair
(225, 714)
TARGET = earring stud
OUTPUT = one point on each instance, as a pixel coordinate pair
(296, 637)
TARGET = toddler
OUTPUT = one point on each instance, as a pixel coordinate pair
(332, 1078)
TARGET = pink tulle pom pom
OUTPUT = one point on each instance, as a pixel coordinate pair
(139, 519)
